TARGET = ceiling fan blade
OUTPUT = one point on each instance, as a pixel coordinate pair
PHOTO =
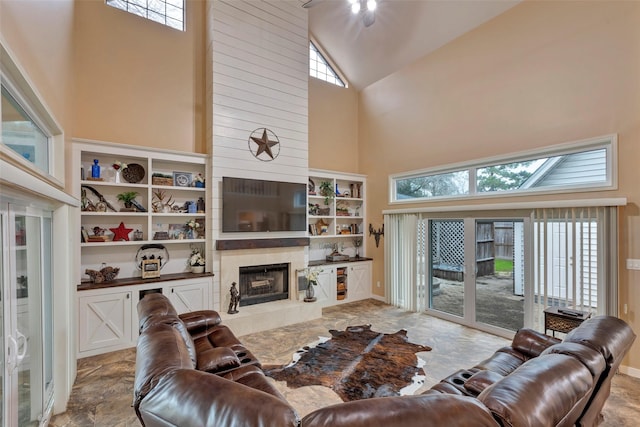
(310, 3)
(368, 18)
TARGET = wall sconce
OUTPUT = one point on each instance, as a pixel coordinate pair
(377, 233)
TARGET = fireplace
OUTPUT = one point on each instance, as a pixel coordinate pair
(263, 283)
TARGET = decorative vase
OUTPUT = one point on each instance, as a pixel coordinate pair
(197, 268)
(309, 295)
(118, 176)
(95, 169)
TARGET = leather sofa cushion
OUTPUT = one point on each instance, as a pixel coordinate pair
(252, 376)
(531, 343)
(608, 335)
(200, 322)
(188, 397)
(427, 410)
(549, 390)
(154, 308)
(217, 359)
(481, 380)
(503, 362)
(160, 350)
(590, 358)
(221, 336)
(446, 388)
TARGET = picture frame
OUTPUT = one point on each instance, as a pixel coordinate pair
(321, 227)
(150, 268)
(182, 179)
(84, 234)
(176, 231)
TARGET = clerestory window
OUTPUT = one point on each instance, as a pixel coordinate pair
(166, 12)
(579, 166)
(320, 69)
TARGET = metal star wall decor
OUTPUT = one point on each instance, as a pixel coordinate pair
(266, 145)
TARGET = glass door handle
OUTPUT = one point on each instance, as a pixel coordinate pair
(12, 349)
(22, 339)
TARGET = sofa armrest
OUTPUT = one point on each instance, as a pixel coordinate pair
(428, 410)
(196, 321)
(187, 397)
(531, 343)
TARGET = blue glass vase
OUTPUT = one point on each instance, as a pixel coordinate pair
(95, 169)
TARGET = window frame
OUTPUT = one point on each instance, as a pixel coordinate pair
(183, 22)
(607, 142)
(14, 79)
(329, 63)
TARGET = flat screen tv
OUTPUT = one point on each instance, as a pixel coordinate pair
(252, 205)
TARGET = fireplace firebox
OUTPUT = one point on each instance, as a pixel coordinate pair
(263, 283)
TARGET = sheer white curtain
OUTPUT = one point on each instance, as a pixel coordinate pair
(400, 256)
(575, 258)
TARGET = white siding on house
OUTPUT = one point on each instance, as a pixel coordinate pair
(579, 168)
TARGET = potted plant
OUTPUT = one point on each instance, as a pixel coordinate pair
(326, 190)
(127, 198)
(312, 275)
(196, 261)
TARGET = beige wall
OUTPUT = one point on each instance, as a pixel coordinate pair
(39, 35)
(543, 73)
(333, 127)
(138, 82)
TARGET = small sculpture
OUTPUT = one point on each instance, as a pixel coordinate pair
(376, 233)
(106, 274)
(235, 299)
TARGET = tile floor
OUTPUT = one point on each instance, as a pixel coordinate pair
(102, 393)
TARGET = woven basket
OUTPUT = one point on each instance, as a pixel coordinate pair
(561, 324)
(156, 180)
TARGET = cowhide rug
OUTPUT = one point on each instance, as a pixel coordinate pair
(357, 363)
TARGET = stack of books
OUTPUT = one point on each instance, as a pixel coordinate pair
(98, 238)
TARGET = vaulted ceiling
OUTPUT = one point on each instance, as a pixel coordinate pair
(403, 31)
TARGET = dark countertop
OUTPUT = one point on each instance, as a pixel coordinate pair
(86, 286)
(319, 262)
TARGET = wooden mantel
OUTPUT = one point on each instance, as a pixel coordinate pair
(236, 244)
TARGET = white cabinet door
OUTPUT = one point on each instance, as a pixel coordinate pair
(105, 322)
(326, 289)
(359, 281)
(191, 297)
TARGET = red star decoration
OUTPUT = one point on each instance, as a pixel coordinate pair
(264, 145)
(121, 233)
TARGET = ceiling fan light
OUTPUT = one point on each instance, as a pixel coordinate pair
(371, 5)
(355, 7)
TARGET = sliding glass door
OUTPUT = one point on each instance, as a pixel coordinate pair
(500, 273)
(27, 315)
(477, 271)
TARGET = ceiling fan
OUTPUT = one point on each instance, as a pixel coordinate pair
(365, 8)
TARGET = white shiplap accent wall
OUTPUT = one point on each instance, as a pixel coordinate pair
(258, 53)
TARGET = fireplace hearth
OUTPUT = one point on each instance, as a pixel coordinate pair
(263, 283)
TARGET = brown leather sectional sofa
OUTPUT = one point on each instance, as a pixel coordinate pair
(192, 371)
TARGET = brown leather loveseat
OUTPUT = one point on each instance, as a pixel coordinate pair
(192, 371)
